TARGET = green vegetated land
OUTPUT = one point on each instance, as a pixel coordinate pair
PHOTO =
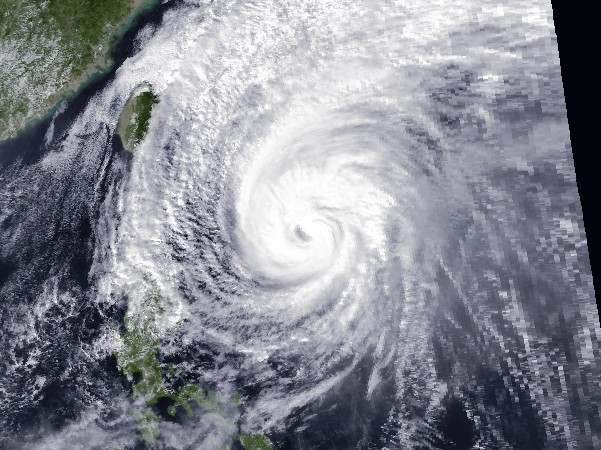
(255, 442)
(138, 360)
(50, 48)
(133, 121)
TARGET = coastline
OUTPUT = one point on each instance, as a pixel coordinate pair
(93, 72)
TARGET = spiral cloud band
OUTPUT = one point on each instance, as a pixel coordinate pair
(351, 215)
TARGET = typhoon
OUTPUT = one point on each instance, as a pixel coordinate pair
(340, 225)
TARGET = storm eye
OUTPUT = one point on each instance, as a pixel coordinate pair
(301, 234)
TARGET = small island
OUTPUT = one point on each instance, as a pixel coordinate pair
(133, 121)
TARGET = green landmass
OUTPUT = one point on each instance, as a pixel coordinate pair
(255, 442)
(50, 48)
(138, 361)
(133, 120)
(148, 424)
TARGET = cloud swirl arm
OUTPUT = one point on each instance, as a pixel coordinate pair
(349, 214)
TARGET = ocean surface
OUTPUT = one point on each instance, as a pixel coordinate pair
(362, 218)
